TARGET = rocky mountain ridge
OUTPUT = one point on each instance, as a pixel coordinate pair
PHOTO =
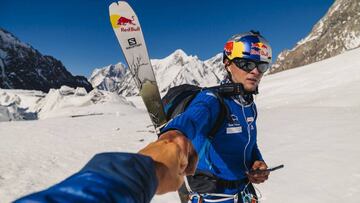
(335, 33)
(23, 67)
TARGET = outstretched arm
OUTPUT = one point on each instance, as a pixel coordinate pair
(126, 177)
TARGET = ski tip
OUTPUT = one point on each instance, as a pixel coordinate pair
(118, 4)
(114, 5)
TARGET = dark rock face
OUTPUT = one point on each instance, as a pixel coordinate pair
(23, 67)
(337, 32)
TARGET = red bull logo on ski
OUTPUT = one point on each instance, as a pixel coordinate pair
(259, 49)
(124, 21)
(125, 24)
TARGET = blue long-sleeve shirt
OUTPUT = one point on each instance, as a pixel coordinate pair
(108, 177)
(234, 147)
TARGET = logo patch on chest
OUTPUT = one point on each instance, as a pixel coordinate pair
(232, 130)
(250, 119)
(234, 126)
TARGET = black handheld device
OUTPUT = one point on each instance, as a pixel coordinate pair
(268, 169)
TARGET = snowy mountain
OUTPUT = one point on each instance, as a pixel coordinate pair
(108, 78)
(175, 69)
(308, 121)
(336, 32)
(23, 67)
(179, 68)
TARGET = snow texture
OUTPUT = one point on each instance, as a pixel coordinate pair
(308, 120)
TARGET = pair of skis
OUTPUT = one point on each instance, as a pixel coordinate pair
(129, 34)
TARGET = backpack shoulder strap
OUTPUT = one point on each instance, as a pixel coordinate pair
(220, 92)
(223, 113)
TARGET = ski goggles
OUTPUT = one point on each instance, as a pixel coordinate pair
(248, 65)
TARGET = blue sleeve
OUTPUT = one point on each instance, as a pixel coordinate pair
(257, 154)
(108, 177)
(198, 118)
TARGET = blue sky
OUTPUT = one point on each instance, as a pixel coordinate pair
(78, 32)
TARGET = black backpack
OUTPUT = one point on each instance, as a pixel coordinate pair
(178, 98)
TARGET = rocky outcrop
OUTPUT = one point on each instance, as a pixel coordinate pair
(23, 67)
(335, 33)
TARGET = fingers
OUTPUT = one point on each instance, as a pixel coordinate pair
(170, 164)
(260, 175)
(186, 146)
(193, 159)
(259, 165)
(174, 157)
(258, 178)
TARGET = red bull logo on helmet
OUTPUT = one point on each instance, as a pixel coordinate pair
(124, 23)
(228, 48)
(260, 49)
(234, 49)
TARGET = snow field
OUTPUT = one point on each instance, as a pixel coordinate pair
(308, 120)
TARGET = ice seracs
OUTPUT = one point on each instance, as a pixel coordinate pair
(64, 102)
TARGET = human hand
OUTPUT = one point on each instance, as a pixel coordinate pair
(258, 176)
(174, 157)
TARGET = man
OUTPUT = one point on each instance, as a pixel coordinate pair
(225, 161)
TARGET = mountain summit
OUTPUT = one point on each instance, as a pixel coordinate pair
(109, 77)
(175, 69)
(335, 33)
